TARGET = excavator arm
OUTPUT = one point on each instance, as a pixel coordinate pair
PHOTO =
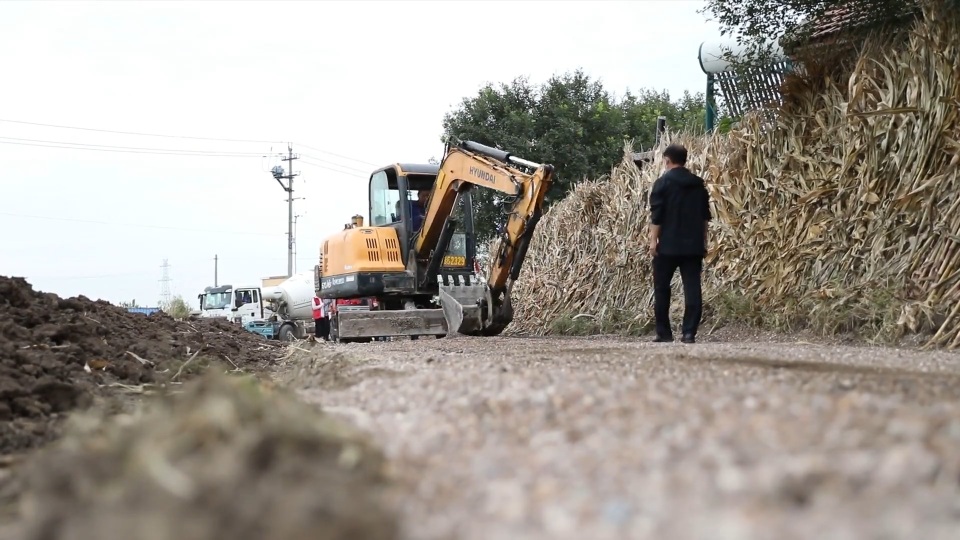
(483, 309)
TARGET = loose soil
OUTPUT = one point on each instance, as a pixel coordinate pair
(59, 354)
(228, 457)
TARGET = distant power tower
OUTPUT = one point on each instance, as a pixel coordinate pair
(165, 295)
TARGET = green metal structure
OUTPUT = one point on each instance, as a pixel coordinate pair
(742, 89)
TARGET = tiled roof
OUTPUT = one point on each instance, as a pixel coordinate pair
(855, 14)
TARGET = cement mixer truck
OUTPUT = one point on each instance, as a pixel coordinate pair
(283, 311)
(291, 304)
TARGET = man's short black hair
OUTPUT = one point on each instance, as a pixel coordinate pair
(677, 154)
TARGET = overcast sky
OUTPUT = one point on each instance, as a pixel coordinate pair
(353, 85)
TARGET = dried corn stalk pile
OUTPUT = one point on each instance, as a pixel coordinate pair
(846, 211)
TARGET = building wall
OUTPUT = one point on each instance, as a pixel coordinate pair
(275, 280)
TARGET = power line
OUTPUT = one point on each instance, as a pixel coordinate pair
(190, 264)
(106, 276)
(142, 134)
(348, 173)
(181, 137)
(141, 225)
(332, 163)
(137, 133)
(337, 155)
(201, 152)
(153, 272)
(135, 151)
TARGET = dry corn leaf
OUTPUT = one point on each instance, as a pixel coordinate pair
(847, 192)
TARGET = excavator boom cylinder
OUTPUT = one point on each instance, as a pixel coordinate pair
(485, 150)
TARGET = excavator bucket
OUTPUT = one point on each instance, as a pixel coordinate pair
(461, 308)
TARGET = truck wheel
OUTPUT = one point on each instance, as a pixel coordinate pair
(286, 333)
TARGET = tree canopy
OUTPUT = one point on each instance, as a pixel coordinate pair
(758, 24)
(569, 121)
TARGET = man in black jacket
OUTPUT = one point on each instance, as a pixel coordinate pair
(679, 212)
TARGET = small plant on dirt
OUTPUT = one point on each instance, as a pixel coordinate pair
(178, 308)
(576, 325)
(869, 314)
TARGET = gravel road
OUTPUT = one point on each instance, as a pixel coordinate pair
(527, 438)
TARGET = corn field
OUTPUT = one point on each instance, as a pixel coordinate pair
(839, 212)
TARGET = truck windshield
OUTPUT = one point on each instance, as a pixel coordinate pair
(216, 300)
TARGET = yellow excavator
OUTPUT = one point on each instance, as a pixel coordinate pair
(417, 257)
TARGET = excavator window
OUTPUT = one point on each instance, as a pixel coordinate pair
(386, 197)
(383, 200)
(419, 182)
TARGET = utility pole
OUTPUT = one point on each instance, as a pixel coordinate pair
(278, 175)
(296, 236)
(215, 271)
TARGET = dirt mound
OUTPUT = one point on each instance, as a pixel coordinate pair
(57, 354)
(227, 458)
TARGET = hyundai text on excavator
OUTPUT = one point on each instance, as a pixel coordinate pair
(409, 272)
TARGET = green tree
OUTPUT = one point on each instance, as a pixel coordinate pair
(641, 111)
(569, 121)
(178, 308)
(726, 123)
(130, 304)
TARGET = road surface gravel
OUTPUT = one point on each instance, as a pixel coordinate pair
(529, 438)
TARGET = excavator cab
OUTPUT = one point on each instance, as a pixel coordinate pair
(396, 201)
(416, 259)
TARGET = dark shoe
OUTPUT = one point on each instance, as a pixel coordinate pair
(663, 339)
(688, 338)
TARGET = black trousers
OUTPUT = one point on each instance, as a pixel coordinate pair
(322, 328)
(664, 267)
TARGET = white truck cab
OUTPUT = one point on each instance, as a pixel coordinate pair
(236, 304)
(282, 311)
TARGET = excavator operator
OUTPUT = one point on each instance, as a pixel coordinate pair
(419, 209)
